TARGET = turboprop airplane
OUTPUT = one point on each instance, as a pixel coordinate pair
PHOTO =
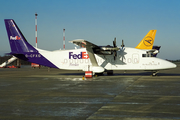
(89, 57)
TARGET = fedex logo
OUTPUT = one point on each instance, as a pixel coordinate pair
(15, 38)
(82, 55)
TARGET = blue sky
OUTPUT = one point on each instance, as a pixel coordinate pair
(97, 21)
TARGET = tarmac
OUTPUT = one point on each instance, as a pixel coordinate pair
(48, 94)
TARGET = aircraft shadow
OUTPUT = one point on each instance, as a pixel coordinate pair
(126, 74)
(73, 74)
(168, 74)
(144, 74)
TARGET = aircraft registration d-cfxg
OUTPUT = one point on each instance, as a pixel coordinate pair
(89, 57)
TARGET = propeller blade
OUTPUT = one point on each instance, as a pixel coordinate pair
(114, 42)
(115, 55)
(122, 44)
(115, 48)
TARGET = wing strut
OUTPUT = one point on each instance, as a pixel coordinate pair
(95, 67)
(91, 56)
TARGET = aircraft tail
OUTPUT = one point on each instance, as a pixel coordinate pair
(148, 41)
(18, 42)
(21, 49)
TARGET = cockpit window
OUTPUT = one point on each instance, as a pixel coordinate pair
(147, 55)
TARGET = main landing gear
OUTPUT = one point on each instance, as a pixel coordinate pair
(109, 72)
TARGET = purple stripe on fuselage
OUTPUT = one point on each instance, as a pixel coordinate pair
(34, 57)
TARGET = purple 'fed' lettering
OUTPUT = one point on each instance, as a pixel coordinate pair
(75, 56)
(82, 55)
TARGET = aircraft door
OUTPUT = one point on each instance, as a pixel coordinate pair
(135, 58)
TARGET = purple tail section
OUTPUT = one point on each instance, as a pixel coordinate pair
(17, 41)
(21, 48)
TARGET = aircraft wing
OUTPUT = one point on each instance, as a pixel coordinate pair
(83, 43)
(88, 46)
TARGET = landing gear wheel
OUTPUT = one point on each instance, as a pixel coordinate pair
(98, 74)
(155, 73)
(110, 72)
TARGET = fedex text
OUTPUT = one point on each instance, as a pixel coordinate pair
(82, 55)
(15, 38)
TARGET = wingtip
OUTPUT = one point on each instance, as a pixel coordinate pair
(77, 40)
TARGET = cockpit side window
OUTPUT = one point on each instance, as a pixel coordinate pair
(147, 55)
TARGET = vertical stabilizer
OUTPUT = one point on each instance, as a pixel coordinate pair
(148, 41)
(21, 49)
(17, 41)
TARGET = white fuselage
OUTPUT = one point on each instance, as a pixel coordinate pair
(127, 59)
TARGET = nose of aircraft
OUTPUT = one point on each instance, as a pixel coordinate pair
(174, 65)
(170, 65)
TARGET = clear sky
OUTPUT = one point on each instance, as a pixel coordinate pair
(97, 21)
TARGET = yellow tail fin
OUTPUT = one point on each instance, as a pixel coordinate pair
(148, 41)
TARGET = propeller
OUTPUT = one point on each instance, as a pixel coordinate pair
(122, 50)
(115, 48)
(114, 42)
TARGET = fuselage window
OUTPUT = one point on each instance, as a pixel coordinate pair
(143, 55)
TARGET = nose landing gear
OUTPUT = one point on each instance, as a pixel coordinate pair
(154, 73)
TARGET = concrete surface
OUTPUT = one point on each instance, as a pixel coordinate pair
(28, 93)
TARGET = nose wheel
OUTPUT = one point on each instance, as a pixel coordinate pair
(155, 73)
